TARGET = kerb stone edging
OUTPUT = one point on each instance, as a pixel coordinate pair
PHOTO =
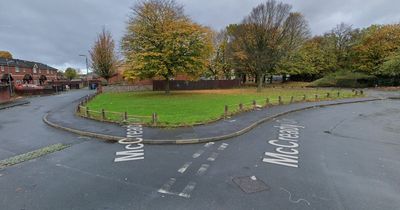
(199, 140)
(11, 105)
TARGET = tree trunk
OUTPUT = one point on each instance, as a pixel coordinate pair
(259, 81)
(167, 86)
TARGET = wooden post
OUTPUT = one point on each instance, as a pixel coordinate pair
(291, 99)
(361, 92)
(154, 118)
(126, 116)
(254, 104)
(338, 94)
(328, 95)
(87, 112)
(267, 102)
(241, 107)
(316, 97)
(226, 111)
(78, 109)
(304, 97)
(103, 114)
(280, 100)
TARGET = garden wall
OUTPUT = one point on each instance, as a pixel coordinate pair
(159, 85)
(4, 94)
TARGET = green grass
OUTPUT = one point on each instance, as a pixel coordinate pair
(193, 107)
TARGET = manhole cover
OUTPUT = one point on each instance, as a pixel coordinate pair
(250, 184)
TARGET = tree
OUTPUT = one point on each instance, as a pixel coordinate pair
(267, 35)
(161, 41)
(70, 73)
(5, 54)
(220, 65)
(391, 66)
(103, 56)
(376, 45)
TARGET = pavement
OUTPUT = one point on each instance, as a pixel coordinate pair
(65, 118)
(346, 157)
(14, 103)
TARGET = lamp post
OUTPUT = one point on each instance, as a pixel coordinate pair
(9, 77)
(87, 69)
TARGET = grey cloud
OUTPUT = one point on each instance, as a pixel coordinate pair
(55, 32)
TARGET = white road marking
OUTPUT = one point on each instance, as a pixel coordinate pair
(198, 153)
(209, 144)
(202, 170)
(187, 190)
(223, 146)
(165, 189)
(184, 167)
(213, 156)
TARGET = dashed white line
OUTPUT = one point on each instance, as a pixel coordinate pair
(184, 167)
(187, 190)
(198, 153)
(209, 144)
(213, 156)
(202, 170)
(165, 189)
(223, 146)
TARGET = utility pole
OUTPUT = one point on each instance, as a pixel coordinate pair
(87, 69)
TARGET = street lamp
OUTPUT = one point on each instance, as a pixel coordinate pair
(87, 69)
(9, 77)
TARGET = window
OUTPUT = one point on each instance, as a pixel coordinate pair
(16, 69)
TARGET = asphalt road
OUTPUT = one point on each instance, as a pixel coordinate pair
(341, 157)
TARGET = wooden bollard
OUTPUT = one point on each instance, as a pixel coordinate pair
(291, 99)
(328, 95)
(280, 100)
(154, 118)
(87, 112)
(361, 92)
(316, 97)
(254, 104)
(78, 109)
(126, 116)
(103, 114)
(304, 97)
(241, 107)
(338, 94)
(226, 111)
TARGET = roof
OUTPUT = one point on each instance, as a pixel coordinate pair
(24, 64)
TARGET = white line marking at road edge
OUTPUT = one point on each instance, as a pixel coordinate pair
(198, 153)
(187, 190)
(213, 156)
(184, 167)
(202, 170)
(209, 144)
(165, 189)
(223, 146)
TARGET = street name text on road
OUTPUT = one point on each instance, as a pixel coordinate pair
(286, 151)
(133, 145)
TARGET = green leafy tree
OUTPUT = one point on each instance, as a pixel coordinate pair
(391, 66)
(5, 54)
(266, 36)
(103, 56)
(220, 65)
(161, 41)
(70, 73)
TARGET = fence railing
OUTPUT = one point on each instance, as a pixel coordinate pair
(229, 109)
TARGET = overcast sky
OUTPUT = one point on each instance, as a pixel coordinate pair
(55, 32)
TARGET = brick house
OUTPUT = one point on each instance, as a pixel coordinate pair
(26, 72)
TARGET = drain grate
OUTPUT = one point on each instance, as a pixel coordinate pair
(250, 184)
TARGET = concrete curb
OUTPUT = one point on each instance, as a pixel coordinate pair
(15, 104)
(200, 140)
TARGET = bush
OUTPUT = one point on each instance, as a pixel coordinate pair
(345, 79)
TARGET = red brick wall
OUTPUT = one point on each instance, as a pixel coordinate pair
(19, 76)
(4, 94)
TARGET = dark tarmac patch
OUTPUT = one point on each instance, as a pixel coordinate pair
(250, 184)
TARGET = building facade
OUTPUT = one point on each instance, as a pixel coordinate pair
(26, 72)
